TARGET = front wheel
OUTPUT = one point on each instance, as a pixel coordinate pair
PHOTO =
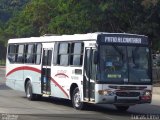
(122, 108)
(76, 102)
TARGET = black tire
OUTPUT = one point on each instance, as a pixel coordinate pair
(77, 104)
(29, 92)
(122, 108)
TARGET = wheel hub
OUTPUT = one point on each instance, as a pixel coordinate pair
(77, 99)
(28, 93)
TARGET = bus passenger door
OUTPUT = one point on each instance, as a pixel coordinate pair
(89, 76)
(46, 72)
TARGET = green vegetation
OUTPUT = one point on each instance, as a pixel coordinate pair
(25, 18)
(2, 62)
(8, 9)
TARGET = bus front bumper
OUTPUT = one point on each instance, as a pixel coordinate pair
(114, 99)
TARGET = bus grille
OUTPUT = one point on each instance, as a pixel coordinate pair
(127, 94)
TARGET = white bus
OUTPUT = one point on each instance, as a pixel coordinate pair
(98, 68)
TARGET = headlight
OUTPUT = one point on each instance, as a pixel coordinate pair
(105, 92)
(147, 93)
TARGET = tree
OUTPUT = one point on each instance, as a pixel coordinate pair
(82, 16)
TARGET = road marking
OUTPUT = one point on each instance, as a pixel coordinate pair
(108, 117)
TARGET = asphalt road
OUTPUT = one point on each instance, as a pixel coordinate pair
(15, 106)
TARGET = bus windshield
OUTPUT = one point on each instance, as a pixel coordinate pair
(124, 64)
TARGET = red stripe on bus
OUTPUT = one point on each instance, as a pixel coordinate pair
(23, 68)
(61, 74)
(38, 71)
(60, 87)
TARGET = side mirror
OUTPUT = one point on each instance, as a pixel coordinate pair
(95, 55)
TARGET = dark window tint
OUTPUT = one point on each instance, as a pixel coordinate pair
(63, 54)
(55, 53)
(87, 62)
(47, 57)
(30, 54)
(20, 57)
(76, 54)
(12, 53)
(68, 54)
(90, 67)
(24, 53)
(38, 53)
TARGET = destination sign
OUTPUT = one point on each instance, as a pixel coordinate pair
(122, 39)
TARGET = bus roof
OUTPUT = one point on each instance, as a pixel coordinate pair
(74, 37)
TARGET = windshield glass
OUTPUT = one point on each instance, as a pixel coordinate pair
(119, 64)
(138, 64)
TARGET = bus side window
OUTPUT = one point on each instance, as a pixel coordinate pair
(55, 53)
(30, 53)
(12, 53)
(68, 54)
(76, 55)
(20, 56)
(38, 52)
(63, 54)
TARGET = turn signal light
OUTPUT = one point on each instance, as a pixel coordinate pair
(145, 97)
